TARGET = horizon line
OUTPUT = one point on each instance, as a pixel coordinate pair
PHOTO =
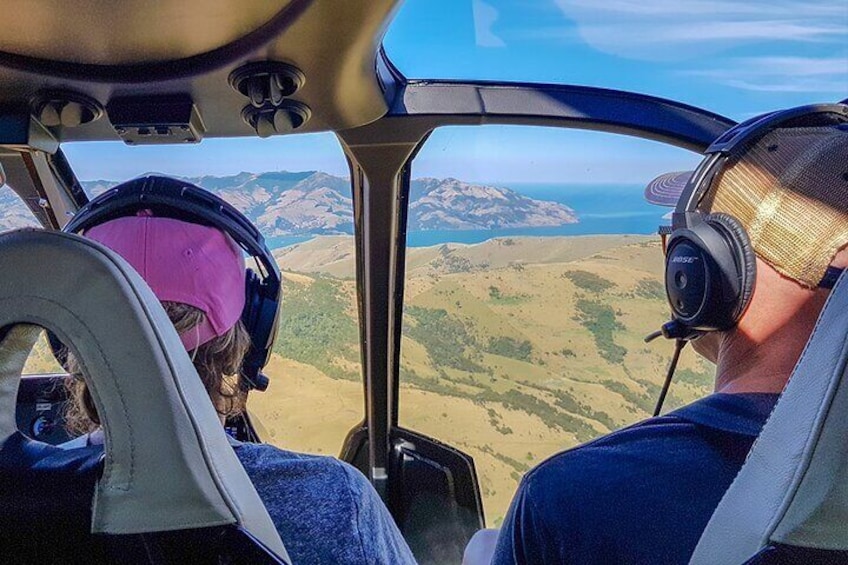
(347, 178)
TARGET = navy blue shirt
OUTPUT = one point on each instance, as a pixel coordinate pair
(643, 494)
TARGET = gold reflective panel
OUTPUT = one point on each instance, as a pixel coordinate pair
(790, 210)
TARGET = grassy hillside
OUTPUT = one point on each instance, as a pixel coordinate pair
(41, 360)
(513, 349)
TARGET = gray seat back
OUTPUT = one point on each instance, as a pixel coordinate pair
(793, 488)
(168, 465)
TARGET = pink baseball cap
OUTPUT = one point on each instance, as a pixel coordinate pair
(182, 262)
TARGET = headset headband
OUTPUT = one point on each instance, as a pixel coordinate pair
(742, 133)
(191, 204)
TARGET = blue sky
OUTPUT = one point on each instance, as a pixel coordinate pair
(735, 58)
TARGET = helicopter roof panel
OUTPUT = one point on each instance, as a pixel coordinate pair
(128, 31)
(101, 51)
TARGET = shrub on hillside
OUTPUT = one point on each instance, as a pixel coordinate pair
(699, 379)
(588, 281)
(645, 402)
(650, 288)
(506, 346)
(600, 320)
(315, 327)
(553, 418)
(444, 337)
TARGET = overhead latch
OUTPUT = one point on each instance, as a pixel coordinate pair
(66, 108)
(268, 86)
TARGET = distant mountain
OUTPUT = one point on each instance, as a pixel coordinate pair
(316, 203)
(279, 203)
(13, 212)
(451, 204)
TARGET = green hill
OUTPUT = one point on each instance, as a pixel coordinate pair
(514, 349)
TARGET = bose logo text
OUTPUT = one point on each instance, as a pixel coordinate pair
(684, 259)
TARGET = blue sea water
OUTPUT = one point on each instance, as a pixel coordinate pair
(286, 240)
(600, 209)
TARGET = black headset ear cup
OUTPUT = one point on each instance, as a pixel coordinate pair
(743, 251)
(251, 299)
(260, 319)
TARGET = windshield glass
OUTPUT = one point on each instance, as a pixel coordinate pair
(533, 274)
(735, 58)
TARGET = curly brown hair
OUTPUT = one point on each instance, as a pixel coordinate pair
(218, 363)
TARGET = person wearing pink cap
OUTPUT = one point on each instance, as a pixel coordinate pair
(183, 263)
(325, 510)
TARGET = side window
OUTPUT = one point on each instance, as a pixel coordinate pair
(41, 360)
(14, 213)
(297, 192)
(42, 405)
(533, 274)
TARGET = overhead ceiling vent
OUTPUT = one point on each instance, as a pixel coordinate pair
(54, 108)
(268, 119)
(268, 86)
(267, 81)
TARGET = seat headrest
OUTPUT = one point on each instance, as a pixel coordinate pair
(793, 488)
(168, 465)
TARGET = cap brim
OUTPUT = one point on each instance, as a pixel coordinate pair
(665, 190)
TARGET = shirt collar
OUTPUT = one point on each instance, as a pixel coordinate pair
(735, 413)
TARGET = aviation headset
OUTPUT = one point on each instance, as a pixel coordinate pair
(710, 267)
(172, 198)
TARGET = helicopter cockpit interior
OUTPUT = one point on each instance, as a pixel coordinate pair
(452, 191)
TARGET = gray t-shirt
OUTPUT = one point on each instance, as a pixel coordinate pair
(325, 510)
